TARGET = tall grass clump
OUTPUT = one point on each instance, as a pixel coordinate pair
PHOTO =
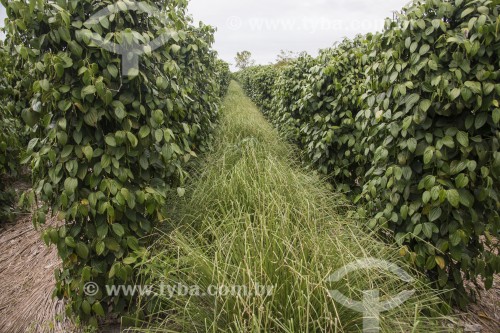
(254, 219)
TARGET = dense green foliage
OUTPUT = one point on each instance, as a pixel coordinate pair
(107, 148)
(223, 76)
(259, 82)
(435, 176)
(290, 87)
(10, 133)
(407, 121)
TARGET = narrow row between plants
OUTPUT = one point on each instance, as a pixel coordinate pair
(254, 219)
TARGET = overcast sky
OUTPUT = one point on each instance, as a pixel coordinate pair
(2, 17)
(264, 27)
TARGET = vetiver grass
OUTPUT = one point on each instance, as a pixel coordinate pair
(252, 218)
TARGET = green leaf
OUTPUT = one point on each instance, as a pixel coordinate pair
(407, 173)
(113, 70)
(88, 152)
(118, 229)
(102, 230)
(44, 84)
(407, 122)
(462, 181)
(143, 161)
(455, 93)
(428, 155)
(91, 118)
(132, 139)
(70, 241)
(455, 238)
(70, 185)
(448, 142)
(481, 119)
(424, 49)
(98, 310)
(466, 94)
(144, 132)
(412, 145)
(408, 42)
(425, 105)
(440, 262)
(88, 90)
(426, 197)
(412, 100)
(133, 243)
(417, 230)
(175, 48)
(170, 105)
(158, 135)
(158, 116)
(427, 229)
(463, 138)
(78, 137)
(453, 198)
(133, 72)
(30, 118)
(435, 214)
(181, 191)
(105, 161)
(120, 113)
(64, 105)
(130, 260)
(413, 47)
(404, 212)
(112, 244)
(475, 87)
(433, 65)
(86, 273)
(496, 116)
(82, 250)
(100, 247)
(468, 11)
(110, 140)
(86, 307)
(67, 150)
(466, 198)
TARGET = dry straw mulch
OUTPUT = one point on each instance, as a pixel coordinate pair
(27, 281)
(485, 313)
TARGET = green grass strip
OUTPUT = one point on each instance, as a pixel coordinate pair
(253, 217)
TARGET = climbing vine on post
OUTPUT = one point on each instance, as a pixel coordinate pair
(109, 145)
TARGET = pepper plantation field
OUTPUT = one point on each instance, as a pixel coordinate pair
(177, 171)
